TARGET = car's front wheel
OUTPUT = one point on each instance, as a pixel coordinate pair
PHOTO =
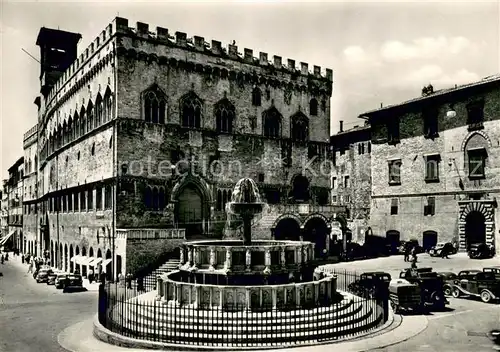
(447, 290)
(455, 292)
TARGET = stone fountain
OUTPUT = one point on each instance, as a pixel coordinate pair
(246, 203)
(245, 291)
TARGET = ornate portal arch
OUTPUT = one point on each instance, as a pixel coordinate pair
(484, 207)
(472, 134)
(287, 216)
(317, 216)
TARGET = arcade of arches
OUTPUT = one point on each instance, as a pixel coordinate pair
(314, 229)
(70, 258)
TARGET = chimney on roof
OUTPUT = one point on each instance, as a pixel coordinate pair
(427, 90)
(341, 127)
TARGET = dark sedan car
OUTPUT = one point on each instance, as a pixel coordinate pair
(43, 275)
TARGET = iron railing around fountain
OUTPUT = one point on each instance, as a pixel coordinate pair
(136, 314)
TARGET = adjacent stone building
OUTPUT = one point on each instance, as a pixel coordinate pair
(30, 193)
(143, 135)
(351, 177)
(435, 166)
(15, 205)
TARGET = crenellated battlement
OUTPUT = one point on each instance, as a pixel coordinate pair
(94, 54)
(215, 48)
(82, 61)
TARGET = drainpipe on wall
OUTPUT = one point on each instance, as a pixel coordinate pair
(115, 168)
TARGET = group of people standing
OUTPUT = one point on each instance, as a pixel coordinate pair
(127, 280)
(411, 251)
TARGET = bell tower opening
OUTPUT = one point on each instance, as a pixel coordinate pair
(58, 50)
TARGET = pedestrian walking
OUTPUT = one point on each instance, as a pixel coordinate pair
(3, 259)
(30, 268)
(121, 279)
(128, 278)
(90, 275)
(140, 283)
(407, 253)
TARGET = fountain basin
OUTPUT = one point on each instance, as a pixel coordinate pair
(321, 292)
(233, 257)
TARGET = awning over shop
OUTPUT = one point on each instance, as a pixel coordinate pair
(86, 260)
(3, 240)
(95, 261)
(76, 258)
(106, 262)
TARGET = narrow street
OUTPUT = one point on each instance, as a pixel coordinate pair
(32, 315)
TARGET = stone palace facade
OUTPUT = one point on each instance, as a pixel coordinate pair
(142, 136)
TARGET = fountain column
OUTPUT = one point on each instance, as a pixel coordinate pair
(195, 258)
(182, 259)
(267, 270)
(247, 228)
(248, 258)
(283, 258)
(190, 257)
(227, 264)
(212, 259)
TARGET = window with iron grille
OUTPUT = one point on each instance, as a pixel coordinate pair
(430, 117)
(393, 131)
(432, 168)
(475, 115)
(394, 172)
(477, 163)
(430, 207)
(394, 206)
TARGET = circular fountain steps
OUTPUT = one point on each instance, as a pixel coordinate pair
(249, 329)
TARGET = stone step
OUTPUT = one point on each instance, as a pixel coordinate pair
(147, 317)
(257, 334)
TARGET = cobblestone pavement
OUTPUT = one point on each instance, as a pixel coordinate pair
(32, 315)
(461, 329)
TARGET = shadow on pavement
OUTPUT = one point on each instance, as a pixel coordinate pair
(74, 289)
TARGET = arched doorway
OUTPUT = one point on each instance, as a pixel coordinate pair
(429, 239)
(287, 229)
(475, 228)
(393, 238)
(84, 267)
(300, 190)
(71, 264)
(65, 257)
(190, 212)
(108, 268)
(60, 257)
(316, 231)
(46, 233)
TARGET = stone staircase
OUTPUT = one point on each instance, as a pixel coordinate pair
(150, 280)
(168, 323)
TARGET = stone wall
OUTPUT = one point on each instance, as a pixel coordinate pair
(142, 253)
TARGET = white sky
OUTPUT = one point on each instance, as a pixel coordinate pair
(380, 52)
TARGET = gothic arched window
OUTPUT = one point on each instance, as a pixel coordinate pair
(161, 199)
(65, 134)
(107, 106)
(224, 116)
(155, 199)
(98, 111)
(154, 105)
(90, 116)
(191, 110)
(71, 136)
(256, 97)
(83, 122)
(148, 201)
(313, 107)
(76, 128)
(300, 127)
(272, 123)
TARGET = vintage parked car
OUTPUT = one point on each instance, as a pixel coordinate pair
(405, 296)
(482, 284)
(60, 280)
(43, 275)
(449, 279)
(431, 286)
(494, 335)
(410, 244)
(73, 283)
(51, 278)
(437, 250)
(480, 251)
(370, 284)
